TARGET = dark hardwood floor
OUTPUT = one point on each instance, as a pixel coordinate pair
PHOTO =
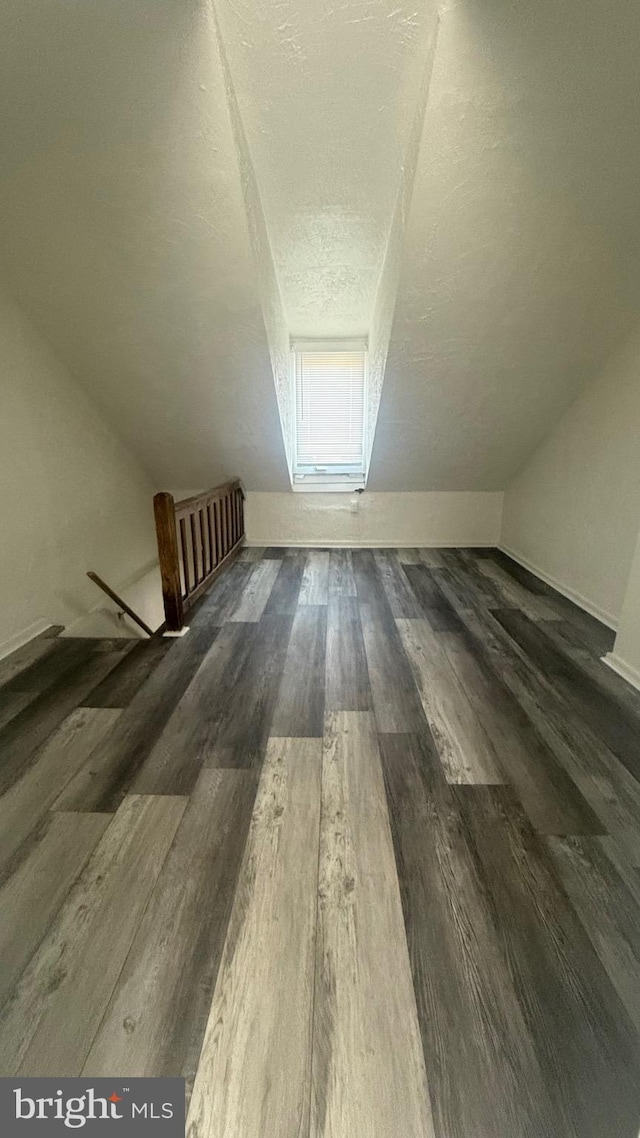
(359, 856)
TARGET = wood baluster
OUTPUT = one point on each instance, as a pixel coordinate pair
(186, 565)
(206, 537)
(225, 534)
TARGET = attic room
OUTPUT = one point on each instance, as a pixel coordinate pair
(320, 571)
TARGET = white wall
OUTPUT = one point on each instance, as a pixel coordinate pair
(625, 657)
(411, 519)
(72, 498)
(574, 509)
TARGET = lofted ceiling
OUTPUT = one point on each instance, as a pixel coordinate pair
(184, 185)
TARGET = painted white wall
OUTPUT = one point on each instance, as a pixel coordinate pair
(573, 511)
(73, 497)
(625, 657)
(411, 519)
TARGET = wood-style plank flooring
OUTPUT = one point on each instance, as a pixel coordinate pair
(358, 857)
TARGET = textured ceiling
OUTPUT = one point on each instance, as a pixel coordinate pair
(123, 231)
(167, 221)
(520, 267)
(327, 91)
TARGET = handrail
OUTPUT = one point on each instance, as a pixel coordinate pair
(197, 537)
(119, 601)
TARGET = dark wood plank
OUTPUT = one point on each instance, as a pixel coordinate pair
(221, 598)
(156, 1018)
(484, 1075)
(26, 802)
(402, 600)
(12, 703)
(283, 599)
(120, 686)
(519, 573)
(274, 553)
(604, 714)
(189, 737)
(347, 676)
(31, 727)
(604, 782)
(433, 605)
(587, 1047)
(32, 891)
(552, 801)
(111, 769)
(608, 910)
(70, 978)
(299, 710)
(247, 712)
(369, 587)
(65, 656)
(395, 697)
(598, 635)
(27, 654)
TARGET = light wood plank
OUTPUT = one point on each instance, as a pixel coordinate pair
(432, 558)
(22, 737)
(56, 763)
(515, 595)
(47, 1026)
(102, 783)
(157, 1016)
(464, 747)
(315, 580)
(342, 582)
(551, 799)
(368, 1073)
(31, 896)
(254, 1070)
(256, 592)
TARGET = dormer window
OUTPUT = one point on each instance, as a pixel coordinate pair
(330, 390)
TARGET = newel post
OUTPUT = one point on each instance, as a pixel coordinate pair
(164, 510)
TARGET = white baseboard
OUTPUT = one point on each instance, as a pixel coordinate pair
(19, 638)
(627, 671)
(571, 594)
(286, 543)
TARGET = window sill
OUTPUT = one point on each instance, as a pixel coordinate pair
(327, 487)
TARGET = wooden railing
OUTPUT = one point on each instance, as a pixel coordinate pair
(196, 539)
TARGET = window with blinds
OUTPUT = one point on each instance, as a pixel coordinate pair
(330, 392)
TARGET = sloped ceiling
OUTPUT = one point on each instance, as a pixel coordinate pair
(124, 234)
(521, 263)
(183, 186)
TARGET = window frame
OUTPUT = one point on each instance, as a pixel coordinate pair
(337, 476)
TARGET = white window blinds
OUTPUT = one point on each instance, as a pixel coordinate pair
(330, 400)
